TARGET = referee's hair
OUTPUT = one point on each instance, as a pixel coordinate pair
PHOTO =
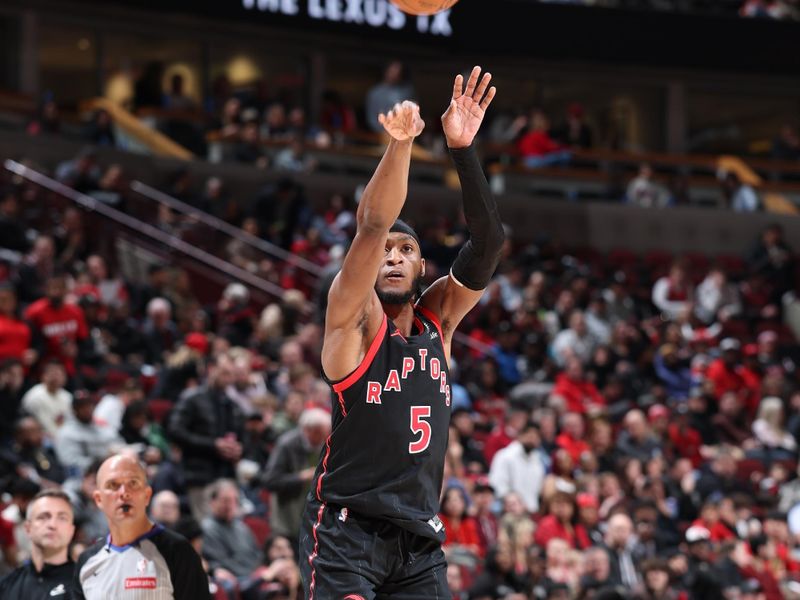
(49, 493)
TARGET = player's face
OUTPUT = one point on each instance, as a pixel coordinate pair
(122, 491)
(401, 271)
(49, 525)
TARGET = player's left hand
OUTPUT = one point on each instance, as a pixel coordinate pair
(464, 116)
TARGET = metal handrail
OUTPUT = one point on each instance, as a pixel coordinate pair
(231, 230)
(176, 243)
(120, 217)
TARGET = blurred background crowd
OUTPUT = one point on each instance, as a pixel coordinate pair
(626, 396)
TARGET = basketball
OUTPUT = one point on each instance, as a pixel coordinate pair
(423, 7)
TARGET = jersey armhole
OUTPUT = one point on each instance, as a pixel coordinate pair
(429, 314)
(343, 384)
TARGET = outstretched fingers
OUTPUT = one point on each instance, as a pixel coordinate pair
(472, 81)
(458, 86)
(481, 90)
(487, 99)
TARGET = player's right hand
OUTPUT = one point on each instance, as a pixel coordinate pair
(403, 122)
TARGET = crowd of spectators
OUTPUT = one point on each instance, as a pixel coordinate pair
(270, 130)
(623, 426)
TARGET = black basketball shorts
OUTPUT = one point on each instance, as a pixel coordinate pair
(349, 557)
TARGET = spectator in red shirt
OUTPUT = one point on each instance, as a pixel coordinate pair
(579, 393)
(461, 529)
(571, 436)
(724, 371)
(710, 520)
(756, 564)
(685, 440)
(560, 523)
(61, 325)
(15, 335)
(752, 375)
(482, 501)
(537, 148)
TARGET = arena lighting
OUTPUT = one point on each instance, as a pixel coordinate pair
(371, 13)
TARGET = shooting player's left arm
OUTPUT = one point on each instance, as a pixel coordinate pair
(452, 297)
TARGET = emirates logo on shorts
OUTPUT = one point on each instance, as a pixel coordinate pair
(141, 583)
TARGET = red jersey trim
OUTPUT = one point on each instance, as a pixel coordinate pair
(368, 358)
(428, 314)
(341, 404)
(324, 467)
(311, 558)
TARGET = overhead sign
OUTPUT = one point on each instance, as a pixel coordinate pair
(369, 13)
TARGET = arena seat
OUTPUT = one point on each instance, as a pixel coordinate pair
(259, 526)
(734, 265)
(620, 258)
(159, 408)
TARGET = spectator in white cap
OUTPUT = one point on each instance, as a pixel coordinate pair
(291, 468)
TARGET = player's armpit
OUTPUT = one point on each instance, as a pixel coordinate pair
(344, 349)
(450, 302)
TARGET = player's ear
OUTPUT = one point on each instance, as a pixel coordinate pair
(422, 269)
(148, 493)
(96, 496)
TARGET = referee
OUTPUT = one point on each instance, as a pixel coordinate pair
(139, 560)
(48, 574)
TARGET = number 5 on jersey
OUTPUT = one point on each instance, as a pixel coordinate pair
(420, 427)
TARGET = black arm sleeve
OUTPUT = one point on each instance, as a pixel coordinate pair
(478, 258)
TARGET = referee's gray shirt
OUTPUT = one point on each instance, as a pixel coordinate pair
(160, 565)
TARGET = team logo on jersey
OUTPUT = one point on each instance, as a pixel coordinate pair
(59, 590)
(343, 515)
(434, 335)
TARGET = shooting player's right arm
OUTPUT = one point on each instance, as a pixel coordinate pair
(354, 313)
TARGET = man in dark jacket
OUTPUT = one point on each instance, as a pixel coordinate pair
(209, 429)
(49, 524)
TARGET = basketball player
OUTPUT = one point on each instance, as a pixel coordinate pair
(370, 529)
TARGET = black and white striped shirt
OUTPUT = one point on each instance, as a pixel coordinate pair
(160, 565)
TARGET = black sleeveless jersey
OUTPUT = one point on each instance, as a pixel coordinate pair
(385, 456)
